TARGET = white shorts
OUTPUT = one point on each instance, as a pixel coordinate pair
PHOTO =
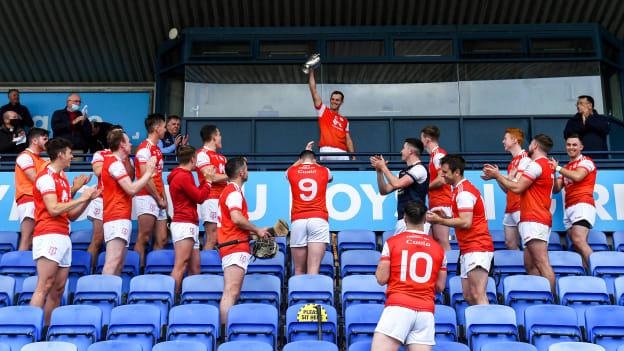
(95, 208)
(209, 210)
(511, 219)
(55, 247)
(240, 259)
(26, 210)
(332, 158)
(181, 231)
(309, 230)
(533, 230)
(401, 227)
(118, 229)
(473, 260)
(407, 326)
(579, 212)
(145, 204)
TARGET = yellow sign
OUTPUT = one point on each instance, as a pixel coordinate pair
(309, 313)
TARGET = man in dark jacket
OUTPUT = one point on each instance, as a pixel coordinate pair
(21, 110)
(69, 123)
(12, 136)
(590, 126)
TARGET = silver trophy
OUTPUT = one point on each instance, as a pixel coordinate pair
(311, 63)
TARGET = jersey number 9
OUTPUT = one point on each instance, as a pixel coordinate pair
(308, 188)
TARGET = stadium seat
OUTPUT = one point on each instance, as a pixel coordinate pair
(301, 323)
(386, 235)
(80, 266)
(5, 347)
(204, 288)
(608, 266)
(136, 323)
(450, 346)
(130, 268)
(508, 346)
(81, 239)
(79, 325)
(306, 345)
(326, 268)
(605, 326)
(245, 345)
(197, 322)
(452, 257)
(618, 240)
(310, 288)
(361, 289)
(619, 290)
(28, 288)
(159, 262)
(180, 345)
(274, 266)
(261, 288)
(581, 293)
(490, 323)
(7, 290)
(20, 325)
(522, 291)
(554, 242)
(210, 262)
(153, 289)
(596, 239)
(103, 291)
(498, 239)
(575, 346)
(445, 324)
(358, 262)
(549, 324)
(50, 346)
(507, 263)
(453, 242)
(253, 322)
(360, 322)
(457, 296)
(8, 241)
(115, 345)
(19, 265)
(357, 239)
(361, 345)
(566, 263)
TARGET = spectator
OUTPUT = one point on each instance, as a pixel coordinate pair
(69, 123)
(12, 137)
(172, 138)
(589, 125)
(99, 131)
(21, 110)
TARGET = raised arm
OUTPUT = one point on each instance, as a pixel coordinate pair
(316, 98)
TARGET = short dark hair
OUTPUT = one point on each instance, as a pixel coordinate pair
(36, 133)
(337, 92)
(115, 138)
(185, 154)
(574, 135)
(12, 90)
(170, 117)
(57, 146)
(207, 132)
(234, 165)
(416, 144)
(454, 162)
(432, 132)
(588, 98)
(153, 120)
(544, 141)
(414, 212)
(307, 154)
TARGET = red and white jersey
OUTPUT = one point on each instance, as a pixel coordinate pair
(517, 166)
(117, 203)
(231, 199)
(308, 185)
(145, 151)
(467, 198)
(415, 262)
(334, 128)
(26, 160)
(50, 182)
(439, 197)
(208, 157)
(583, 191)
(535, 201)
(98, 157)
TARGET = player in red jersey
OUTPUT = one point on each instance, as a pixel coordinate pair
(414, 267)
(535, 189)
(309, 233)
(439, 191)
(27, 165)
(207, 156)
(185, 196)
(577, 179)
(151, 202)
(118, 189)
(334, 128)
(234, 224)
(54, 209)
(471, 228)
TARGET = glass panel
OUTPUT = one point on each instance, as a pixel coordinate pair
(209, 49)
(490, 47)
(423, 47)
(562, 47)
(355, 48)
(612, 92)
(287, 49)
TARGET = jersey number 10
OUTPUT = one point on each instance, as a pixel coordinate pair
(410, 264)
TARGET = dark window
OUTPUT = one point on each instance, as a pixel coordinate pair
(491, 47)
(562, 47)
(220, 49)
(287, 49)
(423, 47)
(355, 48)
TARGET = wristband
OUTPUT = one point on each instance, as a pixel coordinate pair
(558, 168)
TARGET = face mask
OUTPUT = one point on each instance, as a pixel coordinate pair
(74, 107)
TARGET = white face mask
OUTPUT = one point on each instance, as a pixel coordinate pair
(74, 107)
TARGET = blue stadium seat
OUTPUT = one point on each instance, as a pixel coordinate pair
(507, 263)
(261, 288)
(457, 296)
(522, 291)
(253, 322)
(180, 345)
(205, 289)
(619, 291)
(386, 235)
(358, 262)
(360, 322)
(136, 323)
(452, 257)
(307, 345)
(197, 322)
(554, 242)
(28, 288)
(115, 345)
(274, 266)
(356, 239)
(605, 326)
(566, 263)
(581, 293)
(596, 239)
(298, 329)
(281, 243)
(453, 242)
(310, 288)
(130, 268)
(549, 324)
(359, 289)
(50, 346)
(210, 262)
(79, 325)
(508, 346)
(498, 238)
(153, 289)
(326, 268)
(575, 346)
(20, 325)
(608, 266)
(445, 324)
(618, 240)
(449, 346)
(490, 323)
(245, 345)
(361, 345)
(8, 241)
(159, 262)
(7, 290)
(103, 291)
(81, 239)
(80, 266)
(19, 265)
